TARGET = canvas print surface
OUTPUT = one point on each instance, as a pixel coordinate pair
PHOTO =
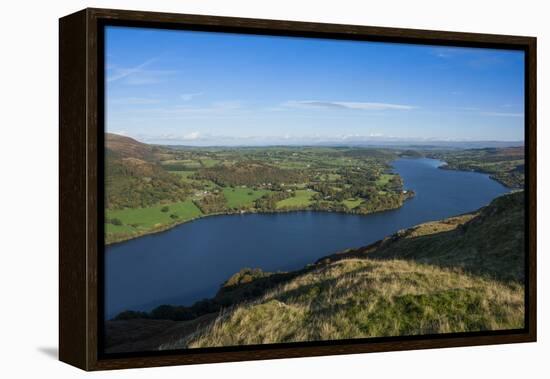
(266, 189)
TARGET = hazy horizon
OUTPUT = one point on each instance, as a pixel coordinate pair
(212, 89)
(389, 143)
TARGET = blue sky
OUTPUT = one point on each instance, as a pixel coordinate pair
(200, 88)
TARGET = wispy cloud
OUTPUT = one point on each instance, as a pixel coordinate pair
(215, 109)
(134, 101)
(366, 106)
(189, 96)
(443, 53)
(120, 73)
(451, 52)
(474, 58)
(502, 114)
(139, 74)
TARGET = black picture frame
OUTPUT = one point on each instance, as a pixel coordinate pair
(81, 83)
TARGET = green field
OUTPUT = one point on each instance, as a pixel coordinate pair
(293, 165)
(111, 229)
(209, 162)
(352, 203)
(241, 197)
(173, 164)
(137, 221)
(301, 199)
(186, 178)
(384, 179)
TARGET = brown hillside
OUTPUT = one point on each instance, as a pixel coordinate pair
(126, 147)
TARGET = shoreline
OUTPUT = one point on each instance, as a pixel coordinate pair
(249, 212)
(349, 253)
(410, 194)
(165, 228)
(490, 175)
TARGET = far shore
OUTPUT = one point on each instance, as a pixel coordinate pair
(166, 228)
(446, 166)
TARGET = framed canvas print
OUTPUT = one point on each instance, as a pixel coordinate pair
(237, 189)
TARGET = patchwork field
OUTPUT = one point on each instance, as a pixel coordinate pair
(163, 186)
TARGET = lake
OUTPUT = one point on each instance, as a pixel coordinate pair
(189, 262)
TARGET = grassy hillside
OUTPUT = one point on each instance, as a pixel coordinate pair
(460, 274)
(456, 275)
(489, 242)
(356, 298)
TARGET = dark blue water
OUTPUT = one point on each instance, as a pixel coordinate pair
(190, 261)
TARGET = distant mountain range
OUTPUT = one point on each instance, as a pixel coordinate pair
(427, 144)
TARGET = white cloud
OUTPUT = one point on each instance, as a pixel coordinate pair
(171, 138)
(367, 106)
(191, 136)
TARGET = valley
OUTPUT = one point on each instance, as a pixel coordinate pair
(463, 273)
(152, 188)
